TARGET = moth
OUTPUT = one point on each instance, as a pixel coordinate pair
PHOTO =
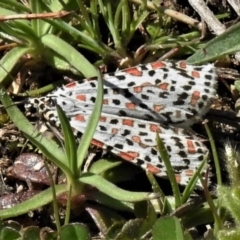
(159, 97)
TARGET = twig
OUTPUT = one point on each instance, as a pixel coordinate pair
(59, 14)
(213, 23)
(235, 5)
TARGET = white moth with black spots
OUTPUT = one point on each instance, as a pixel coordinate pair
(138, 103)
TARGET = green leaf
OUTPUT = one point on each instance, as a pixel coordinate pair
(9, 234)
(88, 42)
(13, 5)
(114, 230)
(103, 165)
(113, 191)
(230, 199)
(103, 217)
(197, 215)
(70, 54)
(9, 60)
(225, 44)
(11, 224)
(32, 232)
(146, 211)
(92, 124)
(39, 26)
(192, 182)
(170, 172)
(168, 228)
(75, 231)
(56, 61)
(132, 229)
(237, 85)
(69, 141)
(110, 202)
(21, 29)
(57, 6)
(35, 202)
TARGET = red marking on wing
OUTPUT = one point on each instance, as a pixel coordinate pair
(178, 178)
(182, 64)
(137, 89)
(153, 169)
(190, 146)
(158, 108)
(136, 139)
(130, 106)
(196, 74)
(195, 97)
(158, 64)
(80, 118)
(133, 72)
(127, 122)
(97, 143)
(81, 97)
(71, 85)
(155, 128)
(105, 101)
(114, 131)
(102, 119)
(129, 156)
(189, 172)
(163, 86)
(92, 79)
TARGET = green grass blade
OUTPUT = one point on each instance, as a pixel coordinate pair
(115, 192)
(69, 141)
(164, 155)
(87, 41)
(9, 60)
(70, 54)
(168, 227)
(35, 202)
(192, 183)
(13, 5)
(215, 155)
(225, 44)
(92, 124)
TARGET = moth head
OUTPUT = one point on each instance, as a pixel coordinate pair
(39, 105)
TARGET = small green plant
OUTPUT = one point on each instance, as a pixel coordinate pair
(229, 196)
(12, 230)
